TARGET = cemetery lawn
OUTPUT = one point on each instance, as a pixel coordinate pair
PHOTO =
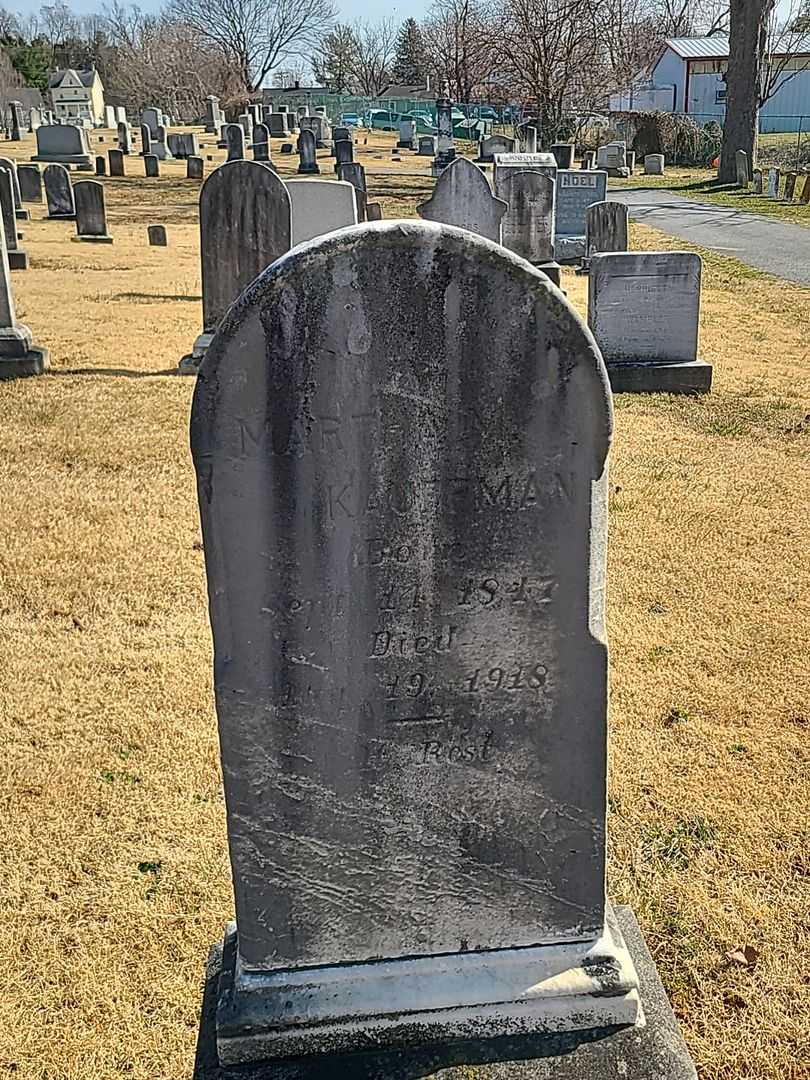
(114, 862)
(703, 186)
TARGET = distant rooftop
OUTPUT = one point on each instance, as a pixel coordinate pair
(84, 77)
(715, 47)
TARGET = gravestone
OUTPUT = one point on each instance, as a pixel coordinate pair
(741, 166)
(644, 310)
(255, 111)
(405, 538)
(612, 157)
(344, 152)
(261, 142)
(152, 119)
(320, 206)
(654, 164)
(308, 161)
(182, 144)
(17, 256)
(631, 161)
(563, 155)
(157, 235)
(374, 211)
(194, 168)
(527, 139)
(151, 165)
(160, 145)
(607, 228)
(245, 121)
(15, 109)
(576, 191)
(213, 115)
(59, 193)
(790, 186)
(34, 119)
(529, 224)
(63, 143)
(427, 146)
(278, 125)
(91, 216)
(494, 144)
(773, 183)
(506, 164)
(757, 181)
(30, 179)
(146, 140)
(124, 139)
(120, 114)
(116, 162)
(235, 142)
(109, 116)
(588, 160)
(407, 135)
(806, 191)
(10, 167)
(18, 355)
(101, 165)
(446, 151)
(245, 224)
(462, 197)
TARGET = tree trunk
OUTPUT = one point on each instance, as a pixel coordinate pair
(743, 81)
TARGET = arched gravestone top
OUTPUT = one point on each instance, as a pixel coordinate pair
(462, 197)
(245, 224)
(400, 434)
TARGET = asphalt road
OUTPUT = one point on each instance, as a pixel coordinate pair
(777, 247)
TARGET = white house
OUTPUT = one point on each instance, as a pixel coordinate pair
(77, 95)
(689, 77)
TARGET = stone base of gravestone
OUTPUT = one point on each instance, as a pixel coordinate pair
(655, 1051)
(644, 377)
(569, 249)
(19, 357)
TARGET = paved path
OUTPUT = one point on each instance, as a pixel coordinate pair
(766, 243)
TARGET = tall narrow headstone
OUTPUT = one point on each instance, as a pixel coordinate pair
(235, 140)
(245, 224)
(444, 128)
(308, 162)
(757, 181)
(30, 179)
(91, 215)
(806, 190)
(109, 116)
(59, 193)
(344, 152)
(17, 256)
(10, 167)
(462, 197)
(588, 160)
(773, 183)
(116, 162)
(790, 186)
(407, 135)
(644, 311)
(101, 165)
(124, 139)
(261, 142)
(153, 119)
(213, 115)
(400, 435)
(146, 140)
(15, 109)
(528, 228)
(18, 355)
(245, 121)
(151, 165)
(606, 228)
(741, 165)
(194, 168)
(528, 139)
(120, 114)
(355, 174)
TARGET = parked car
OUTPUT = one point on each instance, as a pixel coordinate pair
(382, 120)
(351, 119)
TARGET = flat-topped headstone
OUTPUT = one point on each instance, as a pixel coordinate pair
(308, 160)
(17, 256)
(344, 152)
(245, 121)
(607, 228)
(446, 149)
(91, 215)
(156, 234)
(588, 160)
(151, 165)
(495, 144)
(320, 206)
(213, 114)
(527, 139)
(10, 167)
(59, 192)
(235, 141)
(529, 225)
(277, 122)
(116, 158)
(63, 143)
(245, 224)
(30, 180)
(563, 154)
(405, 534)
(195, 167)
(462, 197)
(18, 355)
(576, 191)
(407, 135)
(654, 165)
(120, 114)
(124, 139)
(644, 311)
(741, 168)
(109, 116)
(261, 142)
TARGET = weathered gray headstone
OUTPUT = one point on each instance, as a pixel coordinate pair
(59, 193)
(527, 137)
(806, 191)
(528, 228)
(91, 216)
(17, 256)
(446, 151)
(320, 206)
(63, 143)
(505, 164)
(427, 146)
(261, 142)
(576, 191)
(116, 162)
(153, 119)
(741, 166)
(146, 140)
(10, 166)
(612, 157)
(308, 161)
(278, 125)
(757, 181)
(790, 186)
(773, 183)
(120, 114)
(18, 355)
(101, 165)
(213, 115)
(588, 160)
(15, 109)
(494, 144)
(160, 145)
(151, 165)
(462, 197)
(245, 224)
(344, 152)
(124, 139)
(563, 154)
(644, 309)
(194, 168)
(606, 228)
(157, 235)
(654, 164)
(407, 135)
(245, 121)
(235, 140)
(109, 116)
(374, 211)
(30, 179)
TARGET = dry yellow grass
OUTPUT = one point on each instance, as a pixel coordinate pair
(114, 860)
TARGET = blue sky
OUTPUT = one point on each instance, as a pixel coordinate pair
(349, 9)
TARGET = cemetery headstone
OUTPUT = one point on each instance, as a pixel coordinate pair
(644, 309)
(446, 151)
(157, 235)
(576, 191)
(116, 162)
(59, 193)
(588, 160)
(261, 142)
(10, 166)
(405, 536)
(278, 125)
(527, 138)
(245, 224)
(120, 114)
(109, 116)
(462, 197)
(631, 161)
(235, 140)
(18, 354)
(374, 211)
(245, 121)
(492, 145)
(612, 157)
(213, 115)
(146, 140)
(757, 181)
(124, 139)
(563, 154)
(30, 179)
(17, 256)
(344, 152)
(773, 183)
(607, 228)
(152, 119)
(506, 164)
(151, 165)
(160, 145)
(34, 119)
(427, 146)
(64, 144)
(91, 215)
(194, 168)
(529, 224)
(101, 165)
(806, 190)
(654, 164)
(320, 206)
(407, 135)
(15, 109)
(741, 166)
(308, 162)
(790, 186)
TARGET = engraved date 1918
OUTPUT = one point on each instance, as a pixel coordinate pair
(481, 681)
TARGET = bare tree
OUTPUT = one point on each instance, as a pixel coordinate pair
(257, 35)
(57, 23)
(782, 47)
(458, 38)
(374, 55)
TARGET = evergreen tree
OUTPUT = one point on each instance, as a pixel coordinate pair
(409, 64)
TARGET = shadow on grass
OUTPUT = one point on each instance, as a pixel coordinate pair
(147, 297)
(123, 373)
